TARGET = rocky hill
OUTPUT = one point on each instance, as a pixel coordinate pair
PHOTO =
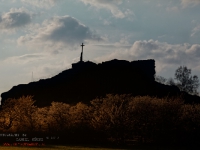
(87, 80)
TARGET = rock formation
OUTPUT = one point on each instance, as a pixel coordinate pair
(87, 80)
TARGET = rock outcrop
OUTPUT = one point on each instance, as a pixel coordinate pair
(87, 80)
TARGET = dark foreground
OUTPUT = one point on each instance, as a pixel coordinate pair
(56, 147)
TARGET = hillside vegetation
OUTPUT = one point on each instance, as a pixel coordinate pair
(116, 119)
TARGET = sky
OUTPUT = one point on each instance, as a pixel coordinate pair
(41, 38)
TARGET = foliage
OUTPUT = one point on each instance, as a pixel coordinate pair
(155, 119)
(124, 117)
(110, 116)
(80, 114)
(18, 114)
(58, 116)
(186, 82)
(42, 122)
(161, 79)
(170, 81)
(115, 118)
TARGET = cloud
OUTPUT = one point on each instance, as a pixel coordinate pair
(15, 18)
(167, 56)
(186, 3)
(194, 51)
(196, 30)
(110, 5)
(30, 67)
(172, 9)
(41, 3)
(58, 33)
(24, 59)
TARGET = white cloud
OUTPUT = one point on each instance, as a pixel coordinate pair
(130, 15)
(172, 9)
(15, 18)
(186, 3)
(194, 51)
(110, 5)
(196, 30)
(167, 56)
(41, 3)
(107, 22)
(18, 69)
(59, 33)
(24, 59)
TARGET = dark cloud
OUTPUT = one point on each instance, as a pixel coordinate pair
(15, 18)
(68, 30)
(60, 32)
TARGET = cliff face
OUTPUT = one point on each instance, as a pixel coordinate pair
(87, 80)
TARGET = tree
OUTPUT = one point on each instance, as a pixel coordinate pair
(18, 114)
(170, 81)
(58, 118)
(185, 81)
(110, 115)
(80, 114)
(161, 79)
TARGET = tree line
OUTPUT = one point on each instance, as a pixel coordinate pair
(184, 80)
(116, 119)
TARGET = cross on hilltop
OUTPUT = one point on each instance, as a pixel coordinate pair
(81, 58)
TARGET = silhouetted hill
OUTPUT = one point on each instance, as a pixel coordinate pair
(87, 80)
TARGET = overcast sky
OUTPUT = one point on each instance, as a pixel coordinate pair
(43, 37)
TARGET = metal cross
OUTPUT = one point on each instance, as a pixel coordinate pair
(82, 46)
(81, 58)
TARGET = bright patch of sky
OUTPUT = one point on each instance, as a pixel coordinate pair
(43, 37)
